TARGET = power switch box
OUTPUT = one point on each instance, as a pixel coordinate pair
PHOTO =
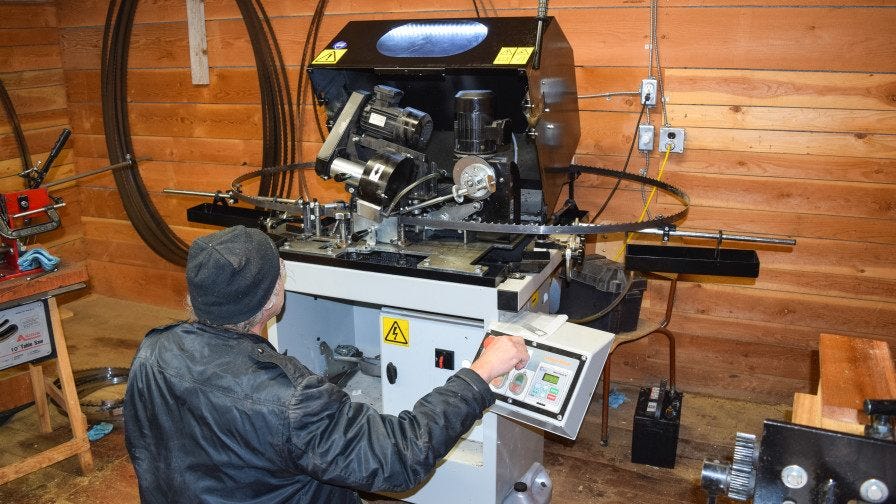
(444, 359)
(645, 137)
(655, 427)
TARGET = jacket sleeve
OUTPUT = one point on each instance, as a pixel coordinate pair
(345, 443)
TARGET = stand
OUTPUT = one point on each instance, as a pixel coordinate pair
(43, 290)
(643, 330)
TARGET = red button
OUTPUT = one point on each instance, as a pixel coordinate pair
(552, 397)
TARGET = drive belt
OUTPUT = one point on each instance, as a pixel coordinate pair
(547, 229)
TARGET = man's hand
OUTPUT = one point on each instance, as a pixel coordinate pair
(499, 355)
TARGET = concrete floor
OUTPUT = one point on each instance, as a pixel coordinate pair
(105, 332)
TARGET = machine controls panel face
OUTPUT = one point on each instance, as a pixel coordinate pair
(546, 382)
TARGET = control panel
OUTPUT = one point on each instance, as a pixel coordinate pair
(544, 384)
(554, 389)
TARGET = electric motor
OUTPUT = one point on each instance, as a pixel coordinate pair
(407, 126)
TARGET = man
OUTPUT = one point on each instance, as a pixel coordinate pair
(213, 413)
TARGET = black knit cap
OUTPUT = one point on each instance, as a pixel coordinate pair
(231, 274)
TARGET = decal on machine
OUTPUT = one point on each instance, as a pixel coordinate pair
(396, 332)
(329, 56)
(513, 55)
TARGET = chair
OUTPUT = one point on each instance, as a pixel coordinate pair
(644, 329)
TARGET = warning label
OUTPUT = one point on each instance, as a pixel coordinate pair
(513, 55)
(329, 56)
(396, 332)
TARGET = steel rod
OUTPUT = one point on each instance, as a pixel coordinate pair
(38, 210)
(203, 194)
(719, 236)
(123, 164)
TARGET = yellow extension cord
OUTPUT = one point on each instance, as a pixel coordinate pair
(659, 176)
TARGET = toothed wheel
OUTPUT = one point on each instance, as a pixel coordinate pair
(742, 476)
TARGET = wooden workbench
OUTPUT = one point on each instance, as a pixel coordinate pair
(43, 288)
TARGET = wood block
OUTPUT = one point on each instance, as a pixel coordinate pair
(852, 370)
(806, 410)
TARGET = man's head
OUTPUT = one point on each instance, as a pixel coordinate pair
(232, 275)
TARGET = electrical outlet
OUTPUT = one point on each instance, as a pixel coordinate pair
(648, 92)
(673, 136)
(645, 137)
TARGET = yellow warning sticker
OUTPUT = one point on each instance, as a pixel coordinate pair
(329, 56)
(396, 332)
(513, 55)
(533, 301)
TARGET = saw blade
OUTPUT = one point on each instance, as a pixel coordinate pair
(535, 229)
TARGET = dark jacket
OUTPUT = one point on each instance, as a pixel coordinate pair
(213, 415)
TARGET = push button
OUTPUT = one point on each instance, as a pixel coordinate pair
(518, 384)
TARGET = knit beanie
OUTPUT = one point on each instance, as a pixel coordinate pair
(231, 274)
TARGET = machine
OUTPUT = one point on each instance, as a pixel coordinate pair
(431, 129)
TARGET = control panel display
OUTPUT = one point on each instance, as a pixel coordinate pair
(545, 384)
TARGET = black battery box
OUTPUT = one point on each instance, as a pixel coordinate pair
(655, 427)
(594, 284)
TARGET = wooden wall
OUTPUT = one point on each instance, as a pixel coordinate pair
(790, 110)
(31, 71)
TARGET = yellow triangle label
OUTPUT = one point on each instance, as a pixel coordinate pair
(329, 56)
(396, 331)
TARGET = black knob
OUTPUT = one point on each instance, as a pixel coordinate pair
(520, 486)
(880, 406)
(391, 373)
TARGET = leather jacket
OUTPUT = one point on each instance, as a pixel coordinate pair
(213, 415)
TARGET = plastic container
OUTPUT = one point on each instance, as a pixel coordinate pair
(593, 285)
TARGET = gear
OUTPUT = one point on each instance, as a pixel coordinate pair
(742, 476)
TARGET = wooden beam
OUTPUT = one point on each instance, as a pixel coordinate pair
(198, 42)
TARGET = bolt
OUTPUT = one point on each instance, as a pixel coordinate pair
(794, 476)
(874, 491)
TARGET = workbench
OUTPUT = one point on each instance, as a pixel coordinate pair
(37, 293)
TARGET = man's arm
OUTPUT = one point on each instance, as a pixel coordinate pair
(350, 444)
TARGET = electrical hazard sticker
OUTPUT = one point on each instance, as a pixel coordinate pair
(329, 56)
(396, 332)
(513, 55)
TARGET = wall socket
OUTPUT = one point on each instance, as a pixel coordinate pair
(645, 137)
(673, 136)
(648, 92)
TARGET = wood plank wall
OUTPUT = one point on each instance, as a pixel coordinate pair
(31, 71)
(790, 110)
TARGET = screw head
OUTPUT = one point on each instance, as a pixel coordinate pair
(794, 476)
(874, 491)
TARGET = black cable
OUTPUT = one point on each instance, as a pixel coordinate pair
(631, 149)
(136, 201)
(13, 118)
(308, 52)
(278, 123)
(476, 7)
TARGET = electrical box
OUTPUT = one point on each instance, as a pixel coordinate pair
(673, 137)
(645, 137)
(648, 92)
